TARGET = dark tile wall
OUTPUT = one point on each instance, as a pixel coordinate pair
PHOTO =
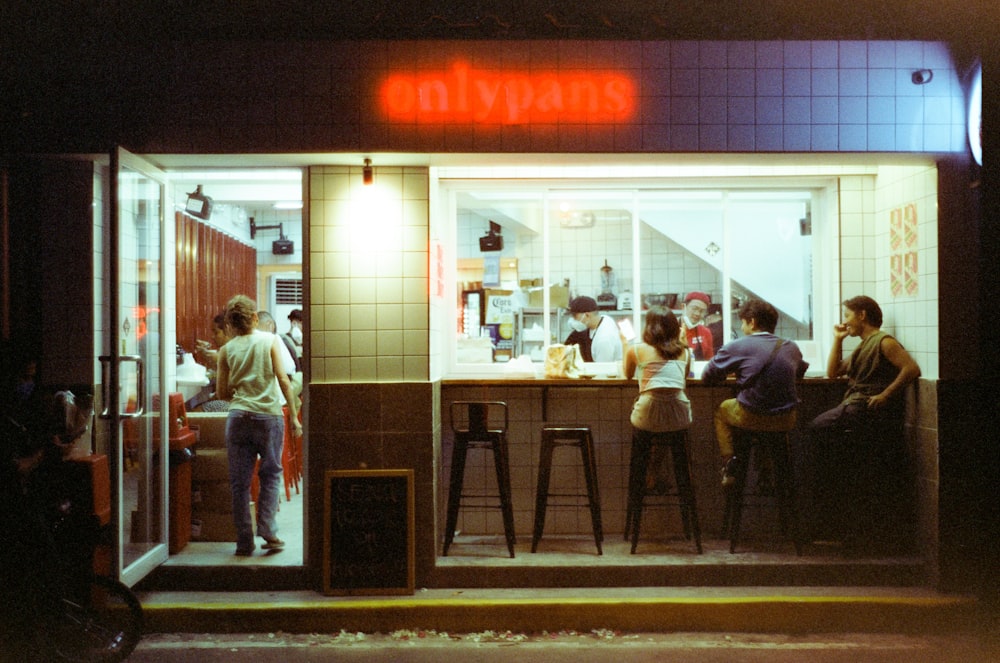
(373, 426)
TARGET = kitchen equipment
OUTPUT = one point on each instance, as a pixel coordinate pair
(666, 300)
(625, 301)
(607, 300)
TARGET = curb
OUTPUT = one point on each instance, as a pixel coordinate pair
(784, 614)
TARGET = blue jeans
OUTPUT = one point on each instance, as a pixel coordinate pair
(250, 435)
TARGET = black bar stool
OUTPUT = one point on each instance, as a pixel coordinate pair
(554, 436)
(471, 425)
(642, 450)
(767, 452)
(861, 497)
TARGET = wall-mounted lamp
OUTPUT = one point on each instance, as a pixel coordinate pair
(922, 76)
(198, 204)
(367, 173)
(279, 247)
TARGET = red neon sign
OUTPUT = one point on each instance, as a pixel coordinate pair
(466, 95)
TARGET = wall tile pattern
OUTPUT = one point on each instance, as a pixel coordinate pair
(692, 96)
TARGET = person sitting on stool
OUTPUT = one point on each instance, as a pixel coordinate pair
(766, 368)
(872, 411)
(661, 362)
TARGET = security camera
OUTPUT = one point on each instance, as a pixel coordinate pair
(922, 76)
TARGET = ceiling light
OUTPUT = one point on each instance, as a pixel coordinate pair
(288, 204)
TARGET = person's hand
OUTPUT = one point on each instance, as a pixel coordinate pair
(840, 332)
(877, 401)
(296, 428)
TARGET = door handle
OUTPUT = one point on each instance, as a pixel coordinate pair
(140, 396)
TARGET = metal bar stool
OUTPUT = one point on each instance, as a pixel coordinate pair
(860, 494)
(643, 443)
(767, 453)
(472, 429)
(554, 436)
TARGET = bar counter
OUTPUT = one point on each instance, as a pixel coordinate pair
(604, 404)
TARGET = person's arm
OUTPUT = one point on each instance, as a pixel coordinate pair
(286, 386)
(222, 388)
(908, 371)
(719, 367)
(836, 365)
(630, 360)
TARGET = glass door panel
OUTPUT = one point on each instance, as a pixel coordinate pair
(133, 366)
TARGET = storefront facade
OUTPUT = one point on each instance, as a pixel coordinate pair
(380, 272)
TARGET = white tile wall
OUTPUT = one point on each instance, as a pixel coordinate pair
(369, 285)
(866, 202)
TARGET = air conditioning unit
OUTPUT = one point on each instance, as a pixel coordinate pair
(284, 294)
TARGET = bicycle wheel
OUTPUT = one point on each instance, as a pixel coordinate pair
(103, 622)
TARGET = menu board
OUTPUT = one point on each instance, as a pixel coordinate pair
(368, 538)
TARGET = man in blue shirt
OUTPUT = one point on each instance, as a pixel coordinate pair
(766, 368)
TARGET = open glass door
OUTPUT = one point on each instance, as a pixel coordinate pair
(133, 368)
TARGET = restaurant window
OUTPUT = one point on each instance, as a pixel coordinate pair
(525, 250)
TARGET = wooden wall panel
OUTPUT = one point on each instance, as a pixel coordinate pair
(211, 268)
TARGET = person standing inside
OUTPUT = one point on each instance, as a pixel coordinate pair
(605, 342)
(766, 369)
(296, 333)
(662, 363)
(204, 351)
(696, 333)
(251, 376)
(288, 359)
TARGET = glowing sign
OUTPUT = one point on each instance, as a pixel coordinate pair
(976, 115)
(470, 96)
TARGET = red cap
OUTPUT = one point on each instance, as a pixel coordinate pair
(700, 296)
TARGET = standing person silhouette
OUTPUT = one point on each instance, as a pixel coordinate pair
(251, 376)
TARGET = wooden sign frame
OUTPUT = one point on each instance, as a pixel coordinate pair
(364, 551)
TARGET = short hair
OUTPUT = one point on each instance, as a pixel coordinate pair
(239, 313)
(762, 313)
(296, 314)
(265, 319)
(873, 313)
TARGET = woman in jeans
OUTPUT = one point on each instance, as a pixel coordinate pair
(251, 377)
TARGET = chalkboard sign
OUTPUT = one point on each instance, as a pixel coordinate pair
(368, 544)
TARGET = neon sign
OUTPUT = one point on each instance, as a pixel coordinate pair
(470, 96)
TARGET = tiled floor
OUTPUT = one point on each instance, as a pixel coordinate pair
(198, 553)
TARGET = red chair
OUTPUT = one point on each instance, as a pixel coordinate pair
(290, 458)
(291, 466)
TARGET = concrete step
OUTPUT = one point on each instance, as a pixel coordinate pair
(640, 609)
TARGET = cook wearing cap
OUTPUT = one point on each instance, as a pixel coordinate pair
(699, 337)
(600, 330)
